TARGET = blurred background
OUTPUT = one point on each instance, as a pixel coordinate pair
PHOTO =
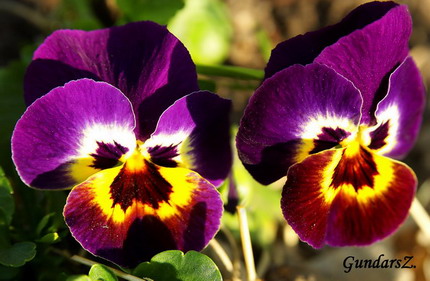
(217, 33)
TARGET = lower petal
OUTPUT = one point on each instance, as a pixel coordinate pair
(128, 214)
(344, 198)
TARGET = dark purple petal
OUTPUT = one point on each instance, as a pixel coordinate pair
(299, 111)
(368, 56)
(194, 133)
(144, 60)
(71, 133)
(400, 113)
(303, 49)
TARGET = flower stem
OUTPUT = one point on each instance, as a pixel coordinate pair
(421, 217)
(219, 250)
(246, 244)
(118, 273)
(230, 71)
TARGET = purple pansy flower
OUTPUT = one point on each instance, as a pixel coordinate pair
(130, 131)
(335, 105)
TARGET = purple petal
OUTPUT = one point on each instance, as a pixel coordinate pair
(400, 113)
(299, 111)
(303, 49)
(144, 60)
(195, 133)
(127, 215)
(368, 56)
(71, 133)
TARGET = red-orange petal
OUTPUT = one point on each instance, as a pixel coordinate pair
(346, 197)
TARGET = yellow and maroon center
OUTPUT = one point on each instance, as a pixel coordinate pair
(355, 170)
(138, 187)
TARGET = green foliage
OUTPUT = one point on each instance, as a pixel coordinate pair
(77, 14)
(18, 254)
(11, 106)
(99, 272)
(204, 28)
(7, 204)
(78, 278)
(175, 266)
(230, 71)
(49, 238)
(160, 11)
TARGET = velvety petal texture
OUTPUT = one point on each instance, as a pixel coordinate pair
(194, 133)
(140, 146)
(350, 197)
(128, 214)
(72, 133)
(143, 59)
(335, 103)
(368, 56)
(299, 111)
(400, 113)
(364, 48)
(297, 50)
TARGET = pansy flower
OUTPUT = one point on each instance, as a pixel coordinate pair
(337, 107)
(116, 115)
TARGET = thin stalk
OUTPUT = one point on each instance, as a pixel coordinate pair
(235, 252)
(117, 272)
(421, 217)
(246, 244)
(220, 252)
(230, 71)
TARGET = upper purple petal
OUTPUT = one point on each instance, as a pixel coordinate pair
(303, 49)
(71, 133)
(299, 111)
(144, 60)
(368, 56)
(399, 114)
(195, 133)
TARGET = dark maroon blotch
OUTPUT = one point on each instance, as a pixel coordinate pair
(163, 155)
(379, 135)
(146, 186)
(329, 138)
(358, 171)
(107, 155)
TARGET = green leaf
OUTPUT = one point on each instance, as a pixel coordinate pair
(49, 238)
(18, 254)
(99, 272)
(175, 266)
(77, 14)
(230, 71)
(79, 278)
(205, 29)
(11, 107)
(160, 11)
(43, 223)
(7, 204)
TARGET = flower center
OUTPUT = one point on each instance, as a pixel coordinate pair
(356, 166)
(139, 180)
